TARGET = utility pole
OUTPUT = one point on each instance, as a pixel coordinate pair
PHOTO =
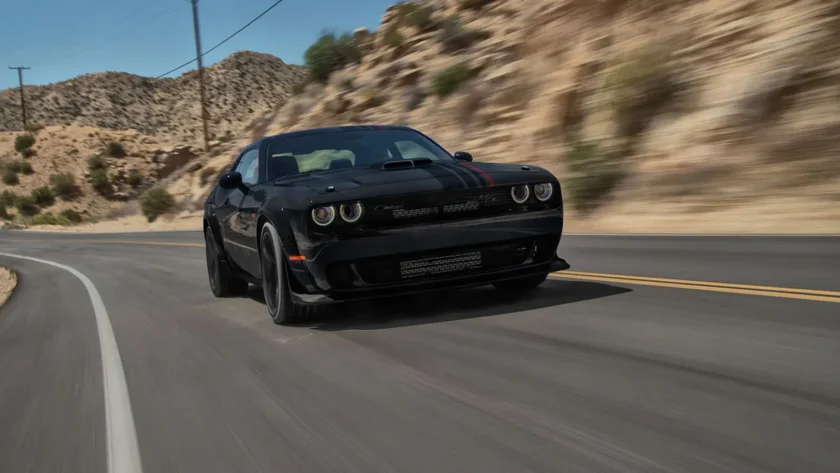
(200, 74)
(20, 70)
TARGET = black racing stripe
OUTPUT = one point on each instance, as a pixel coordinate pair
(463, 182)
(446, 179)
(472, 177)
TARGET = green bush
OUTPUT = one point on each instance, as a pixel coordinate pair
(14, 166)
(393, 38)
(71, 215)
(7, 199)
(64, 186)
(330, 53)
(155, 202)
(26, 206)
(115, 149)
(134, 178)
(10, 178)
(24, 142)
(639, 87)
(28, 153)
(43, 196)
(96, 162)
(99, 181)
(453, 36)
(594, 174)
(26, 168)
(450, 79)
(49, 219)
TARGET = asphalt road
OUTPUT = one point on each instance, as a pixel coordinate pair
(591, 373)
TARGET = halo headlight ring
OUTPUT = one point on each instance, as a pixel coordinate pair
(543, 191)
(324, 215)
(520, 194)
(351, 213)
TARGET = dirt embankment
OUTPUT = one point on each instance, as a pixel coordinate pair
(8, 281)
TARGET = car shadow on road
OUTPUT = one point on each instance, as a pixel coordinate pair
(447, 306)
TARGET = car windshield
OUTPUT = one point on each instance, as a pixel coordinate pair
(345, 149)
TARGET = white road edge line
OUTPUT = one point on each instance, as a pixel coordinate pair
(120, 433)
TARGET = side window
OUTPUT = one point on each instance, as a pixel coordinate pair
(249, 167)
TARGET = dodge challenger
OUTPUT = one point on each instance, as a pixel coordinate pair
(345, 213)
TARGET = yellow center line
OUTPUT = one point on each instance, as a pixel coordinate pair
(731, 288)
(709, 283)
(661, 282)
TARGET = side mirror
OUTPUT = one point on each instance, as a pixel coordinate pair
(463, 156)
(230, 180)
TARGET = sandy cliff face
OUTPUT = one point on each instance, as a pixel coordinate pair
(703, 107)
(672, 115)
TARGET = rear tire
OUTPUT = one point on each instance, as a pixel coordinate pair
(275, 282)
(528, 282)
(223, 283)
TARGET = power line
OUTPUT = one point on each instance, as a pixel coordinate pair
(222, 42)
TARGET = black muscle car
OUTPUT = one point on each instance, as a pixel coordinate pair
(345, 213)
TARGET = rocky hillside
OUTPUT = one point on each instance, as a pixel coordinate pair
(239, 88)
(687, 108)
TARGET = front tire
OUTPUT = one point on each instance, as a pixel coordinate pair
(223, 283)
(521, 284)
(275, 282)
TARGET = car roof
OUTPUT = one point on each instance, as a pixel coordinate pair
(329, 129)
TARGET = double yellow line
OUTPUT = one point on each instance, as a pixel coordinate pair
(746, 289)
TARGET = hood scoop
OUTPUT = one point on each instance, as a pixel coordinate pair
(405, 164)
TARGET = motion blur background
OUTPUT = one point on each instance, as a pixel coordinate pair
(658, 116)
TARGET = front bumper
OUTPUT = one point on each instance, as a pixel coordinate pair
(430, 257)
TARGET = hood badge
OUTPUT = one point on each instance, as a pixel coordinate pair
(330, 188)
(525, 167)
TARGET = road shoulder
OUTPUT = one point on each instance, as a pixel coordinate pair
(8, 282)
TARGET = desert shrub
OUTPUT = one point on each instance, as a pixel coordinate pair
(96, 162)
(453, 36)
(26, 168)
(99, 181)
(299, 87)
(594, 174)
(412, 14)
(330, 53)
(24, 142)
(155, 202)
(7, 199)
(10, 178)
(639, 87)
(4, 214)
(134, 178)
(71, 215)
(14, 166)
(43, 196)
(49, 219)
(393, 38)
(450, 79)
(26, 206)
(28, 153)
(64, 186)
(115, 149)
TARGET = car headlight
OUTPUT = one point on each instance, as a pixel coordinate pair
(323, 216)
(543, 192)
(520, 194)
(351, 213)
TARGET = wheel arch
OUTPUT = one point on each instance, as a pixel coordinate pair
(287, 239)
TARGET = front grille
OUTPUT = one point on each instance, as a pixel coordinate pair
(443, 263)
(438, 207)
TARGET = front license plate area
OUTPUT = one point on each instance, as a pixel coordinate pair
(453, 263)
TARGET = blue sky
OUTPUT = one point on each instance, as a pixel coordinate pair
(61, 39)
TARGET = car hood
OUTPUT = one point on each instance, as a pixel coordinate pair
(361, 182)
